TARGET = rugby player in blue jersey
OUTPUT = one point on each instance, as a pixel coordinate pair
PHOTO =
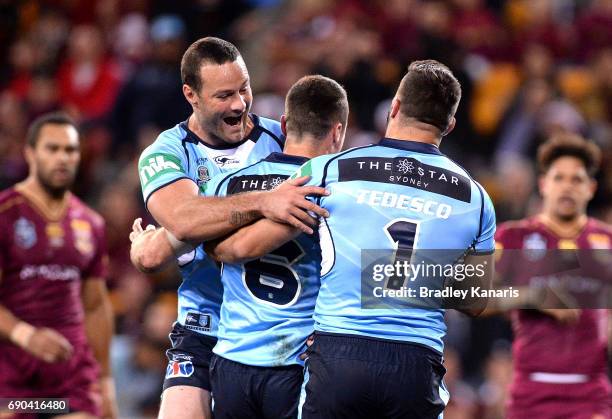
(220, 135)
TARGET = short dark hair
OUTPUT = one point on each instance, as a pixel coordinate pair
(205, 50)
(314, 104)
(429, 93)
(57, 118)
(573, 145)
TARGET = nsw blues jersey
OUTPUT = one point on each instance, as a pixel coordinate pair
(394, 195)
(177, 154)
(268, 303)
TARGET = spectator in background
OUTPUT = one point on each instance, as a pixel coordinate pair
(153, 95)
(88, 79)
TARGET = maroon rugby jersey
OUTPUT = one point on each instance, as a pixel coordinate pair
(44, 261)
(542, 344)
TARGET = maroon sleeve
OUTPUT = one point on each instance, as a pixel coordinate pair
(3, 243)
(503, 259)
(98, 266)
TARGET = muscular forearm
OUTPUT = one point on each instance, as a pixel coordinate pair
(197, 219)
(99, 327)
(252, 242)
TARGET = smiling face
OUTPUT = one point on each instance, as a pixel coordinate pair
(566, 188)
(222, 105)
(55, 157)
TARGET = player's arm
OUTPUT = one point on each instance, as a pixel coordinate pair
(193, 218)
(153, 249)
(481, 261)
(251, 242)
(41, 342)
(99, 327)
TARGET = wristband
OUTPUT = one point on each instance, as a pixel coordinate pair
(21, 334)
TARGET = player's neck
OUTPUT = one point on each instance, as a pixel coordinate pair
(413, 133)
(53, 206)
(304, 147)
(564, 227)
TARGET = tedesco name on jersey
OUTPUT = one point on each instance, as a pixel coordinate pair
(405, 202)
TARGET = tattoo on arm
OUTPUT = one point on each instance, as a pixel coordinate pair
(241, 218)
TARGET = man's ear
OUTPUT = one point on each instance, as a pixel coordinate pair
(395, 107)
(450, 127)
(190, 95)
(283, 122)
(28, 153)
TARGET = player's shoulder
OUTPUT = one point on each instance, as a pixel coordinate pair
(9, 198)
(597, 226)
(270, 127)
(169, 140)
(80, 209)
(513, 230)
(267, 123)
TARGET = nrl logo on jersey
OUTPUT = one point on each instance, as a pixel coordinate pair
(156, 164)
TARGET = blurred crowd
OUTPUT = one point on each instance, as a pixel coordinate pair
(528, 69)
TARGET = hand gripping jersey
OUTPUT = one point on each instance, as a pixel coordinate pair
(394, 195)
(268, 303)
(179, 154)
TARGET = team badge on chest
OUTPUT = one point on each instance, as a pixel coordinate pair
(83, 238)
(25, 233)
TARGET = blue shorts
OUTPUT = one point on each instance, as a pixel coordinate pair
(188, 358)
(248, 392)
(359, 377)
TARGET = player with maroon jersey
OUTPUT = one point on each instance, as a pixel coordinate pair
(560, 354)
(55, 317)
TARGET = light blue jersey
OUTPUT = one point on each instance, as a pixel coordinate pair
(177, 154)
(397, 195)
(268, 303)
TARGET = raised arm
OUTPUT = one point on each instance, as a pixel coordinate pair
(251, 242)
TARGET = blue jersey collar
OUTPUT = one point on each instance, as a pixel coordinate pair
(408, 145)
(286, 158)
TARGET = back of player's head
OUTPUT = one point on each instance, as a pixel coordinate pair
(313, 105)
(205, 50)
(572, 145)
(429, 93)
(55, 118)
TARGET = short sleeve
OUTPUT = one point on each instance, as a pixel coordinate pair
(485, 242)
(98, 267)
(161, 164)
(216, 186)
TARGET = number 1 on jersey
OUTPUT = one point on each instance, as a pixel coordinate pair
(402, 233)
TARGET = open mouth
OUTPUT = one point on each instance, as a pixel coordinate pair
(567, 200)
(232, 120)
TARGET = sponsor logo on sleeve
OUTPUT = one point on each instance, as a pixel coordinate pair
(155, 165)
